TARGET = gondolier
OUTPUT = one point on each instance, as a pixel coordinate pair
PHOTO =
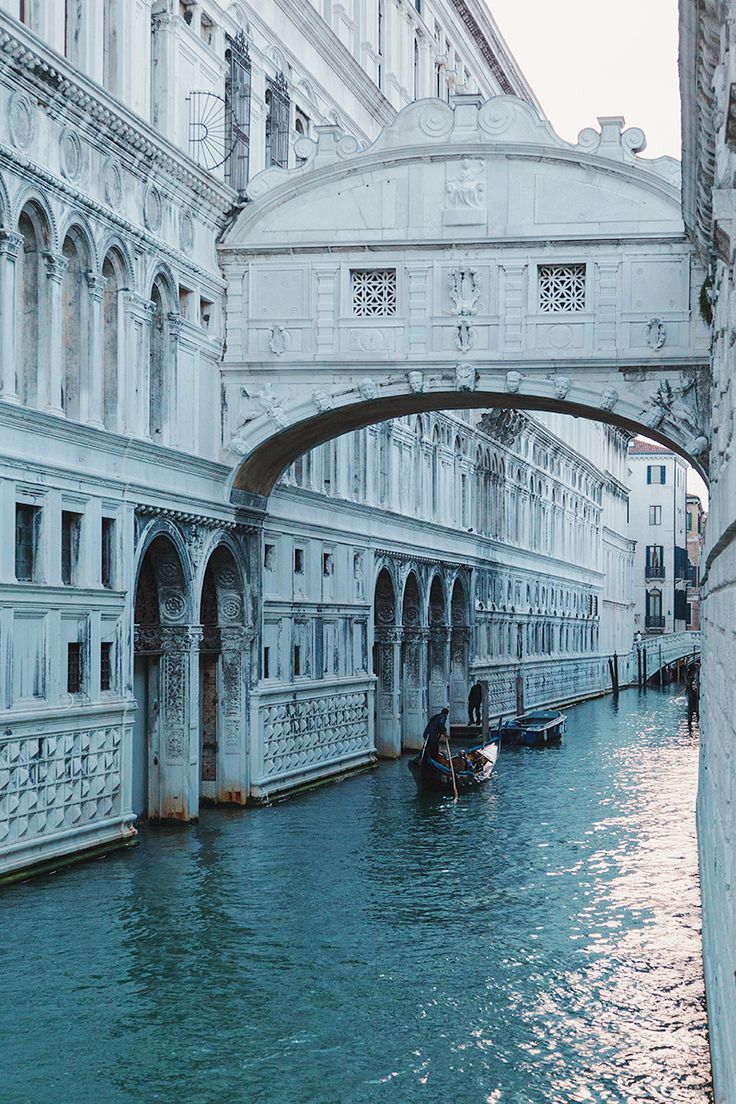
(434, 733)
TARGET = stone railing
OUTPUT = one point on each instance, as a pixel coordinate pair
(310, 730)
(62, 789)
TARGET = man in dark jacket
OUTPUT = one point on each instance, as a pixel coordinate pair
(435, 732)
(475, 700)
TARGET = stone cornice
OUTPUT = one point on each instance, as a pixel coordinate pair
(494, 51)
(87, 102)
(700, 26)
(320, 35)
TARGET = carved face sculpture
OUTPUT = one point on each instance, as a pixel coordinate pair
(513, 381)
(609, 399)
(465, 377)
(562, 386)
(416, 382)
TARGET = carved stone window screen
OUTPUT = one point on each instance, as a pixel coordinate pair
(373, 292)
(561, 288)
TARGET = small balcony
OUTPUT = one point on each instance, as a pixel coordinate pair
(653, 571)
(654, 622)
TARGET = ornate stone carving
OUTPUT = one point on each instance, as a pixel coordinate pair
(10, 244)
(468, 188)
(152, 207)
(70, 149)
(96, 283)
(323, 401)
(307, 732)
(683, 407)
(278, 340)
(513, 382)
(272, 406)
(415, 379)
(464, 291)
(56, 266)
(368, 388)
(562, 385)
(112, 182)
(465, 336)
(186, 231)
(465, 377)
(656, 332)
(609, 398)
(22, 120)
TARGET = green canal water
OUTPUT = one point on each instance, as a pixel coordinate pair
(537, 943)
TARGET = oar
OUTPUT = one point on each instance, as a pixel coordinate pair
(452, 766)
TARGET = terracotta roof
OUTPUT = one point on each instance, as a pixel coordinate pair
(642, 447)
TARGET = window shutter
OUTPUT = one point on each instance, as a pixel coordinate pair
(649, 473)
(278, 122)
(663, 474)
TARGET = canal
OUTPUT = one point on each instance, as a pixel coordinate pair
(537, 942)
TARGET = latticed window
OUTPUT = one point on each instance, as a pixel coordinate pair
(278, 110)
(561, 287)
(374, 291)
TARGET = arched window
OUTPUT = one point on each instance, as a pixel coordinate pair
(30, 288)
(110, 344)
(75, 326)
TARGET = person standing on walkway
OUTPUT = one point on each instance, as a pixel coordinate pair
(475, 700)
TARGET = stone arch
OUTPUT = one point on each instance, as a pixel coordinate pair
(80, 263)
(437, 644)
(161, 356)
(37, 204)
(223, 658)
(31, 303)
(413, 708)
(112, 243)
(165, 662)
(386, 656)
(459, 649)
(112, 324)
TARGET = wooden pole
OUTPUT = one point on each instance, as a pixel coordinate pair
(484, 712)
(452, 767)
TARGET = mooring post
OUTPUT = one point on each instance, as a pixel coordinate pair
(484, 711)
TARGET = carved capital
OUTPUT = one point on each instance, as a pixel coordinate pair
(10, 244)
(96, 284)
(56, 266)
(180, 638)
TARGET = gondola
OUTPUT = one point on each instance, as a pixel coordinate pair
(473, 767)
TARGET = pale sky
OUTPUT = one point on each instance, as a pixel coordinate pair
(585, 58)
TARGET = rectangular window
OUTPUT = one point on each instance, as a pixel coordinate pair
(105, 666)
(74, 668)
(655, 515)
(373, 292)
(656, 473)
(689, 522)
(328, 564)
(71, 527)
(297, 659)
(266, 663)
(269, 556)
(27, 520)
(278, 111)
(237, 113)
(107, 545)
(561, 288)
(298, 561)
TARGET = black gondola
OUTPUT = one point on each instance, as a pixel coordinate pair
(472, 768)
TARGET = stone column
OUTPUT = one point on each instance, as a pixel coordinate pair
(91, 397)
(233, 760)
(10, 245)
(414, 649)
(388, 730)
(171, 381)
(51, 352)
(137, 313)
(179, 723)
(438, 653)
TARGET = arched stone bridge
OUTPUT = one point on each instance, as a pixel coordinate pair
(468, 258)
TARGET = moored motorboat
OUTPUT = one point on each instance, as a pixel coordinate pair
(472, 767)
(537, 729)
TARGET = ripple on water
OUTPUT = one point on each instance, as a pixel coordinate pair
(537, 942)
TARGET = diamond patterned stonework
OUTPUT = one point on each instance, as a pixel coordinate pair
(52, 783)
(374, 292)
(561, 288)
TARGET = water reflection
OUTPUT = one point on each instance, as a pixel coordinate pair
(537, 942)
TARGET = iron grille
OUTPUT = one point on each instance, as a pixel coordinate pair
(211, 132)
(237, 102)
(277, 122)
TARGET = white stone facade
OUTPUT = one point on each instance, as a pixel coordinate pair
(708, 83)
(658, 517)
